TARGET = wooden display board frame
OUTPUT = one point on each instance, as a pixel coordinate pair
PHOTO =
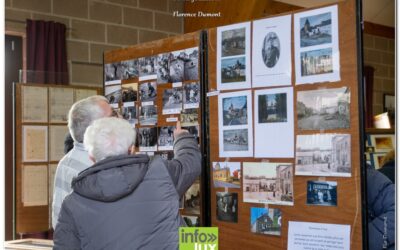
(154, 48)
(351, 203)
(34, 218)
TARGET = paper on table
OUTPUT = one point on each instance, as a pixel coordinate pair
(34, 143)
(61, 100)
(34, 185)
(57, 137)
(34, 104)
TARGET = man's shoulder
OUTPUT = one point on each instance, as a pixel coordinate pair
(75, 158)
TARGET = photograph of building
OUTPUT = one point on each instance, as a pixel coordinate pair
(235, 140)
(227, 207)
(265, 220)
(226, 174)
(234, 110)
(322, 193)
(233, 70)
(316, 30)
(233, 42)
(316, 62)
(272, 108)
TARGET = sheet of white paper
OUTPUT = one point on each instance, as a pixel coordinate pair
(233, 57)
(84, 93)
(316, 36)
(307, 235)
(272, 52)
(34, 104)
(273, 125)
(235, 128)
(60, 102)
(34, 185)
(57, 137)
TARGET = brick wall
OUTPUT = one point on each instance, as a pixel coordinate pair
(379, 53)
(94, 26)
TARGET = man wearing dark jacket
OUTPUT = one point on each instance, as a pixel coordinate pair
(126, 201)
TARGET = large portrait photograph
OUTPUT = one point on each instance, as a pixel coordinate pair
(271, 49)
(266, 221)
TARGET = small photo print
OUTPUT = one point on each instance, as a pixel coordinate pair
(111, 73)
(148, 115)
(316, 62)
(131, 69)
(323, 155)
(236, 140)
(148, 91)
(234, 110)
(192, 199)
(172, 101)
(227, 207)
(177, 65)
(192, 64)
(130, 113)
(316, 30)
(163, 68)
(191, 221)
(113, 93)
(166, 155)
(266, 221)
(191, 95)
(147, 139)
(272, 108)
(233, 42)
(189, 117)
(323, 109)
(147, 67)
(226, 174)
(233, 70)
(166, 138)
(129, 92)
(322, 193)
(268, 183)
(271, 49)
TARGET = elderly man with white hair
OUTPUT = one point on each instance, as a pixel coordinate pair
(125, 200)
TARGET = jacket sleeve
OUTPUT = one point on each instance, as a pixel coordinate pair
(186, 165)
(381, 205)
(66, 234)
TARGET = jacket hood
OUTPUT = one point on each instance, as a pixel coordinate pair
(112, 178)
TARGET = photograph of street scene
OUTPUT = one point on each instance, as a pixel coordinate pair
(316, 62)
(323, 155)
(227, 206)
(267, 182)
(265, 220)
(316, 30)
(322, 193)
(226, 174)
(233, 42)
(323, 109)
(235, 140)
(234, 110)
(233, 70)
(113, 94)
(272, 108)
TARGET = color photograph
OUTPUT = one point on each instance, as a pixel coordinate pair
(272, 108)
(322, 193)
(316, 30)
(266, 221)
(227, 206)
(236, 140)
(234, 110)
(226, 174)
(316, 62)
(233, 42)
(233, 70)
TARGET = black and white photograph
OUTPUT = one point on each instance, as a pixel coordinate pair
(130, 113)
(235, 110)
(147, 68)
(166, 155)
(148, 115)
(191, 95)
(316, 29)
(233, 70)
(172, 101)
(147, 138)
(268, 183)
(271, 49)
(131, 69)
(227, 206)
(163, 68)
(323, 155)
(191, 221)
(272, 108)
(114, 73)
(166, 138)
(233, 42)
(323, 109)
(322, 193)
(148, 93)
(236, 140)
(191, 64)
(266, 221)
(189, 117)
(113, 94)
(316, 62)
(129, 92)
(177, 65)
(192, 198)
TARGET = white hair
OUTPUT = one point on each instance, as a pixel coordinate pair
(83, 113)
(109, 136)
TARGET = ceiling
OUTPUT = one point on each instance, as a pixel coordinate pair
(374, 11)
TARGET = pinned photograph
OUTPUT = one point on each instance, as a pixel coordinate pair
(166, 138)
(131, 69)
(382, 143)
(268, 183)
(323, 109)
(172, 101)
(147, 139)
(177, 65)
(113, 73)
(148, 92)
(323, 155)
(271, 49)
(191, 64)
(147, 68)
(272, 108)
(236, 140)
(191, 221)
(233, 42)
(113, 94)
(227, 207)
(148, 115)
(130, 113)
(322, 193)
(189, 117)
(233, 70)
(129, 92)
(166, 155)
(226, 174)
(191, 95)
(316, 29)
(192, 199)
(266, 221)
(163, 68)
(235, 110)
(316, 62)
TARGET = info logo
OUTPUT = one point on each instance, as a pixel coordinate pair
(198, 238)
